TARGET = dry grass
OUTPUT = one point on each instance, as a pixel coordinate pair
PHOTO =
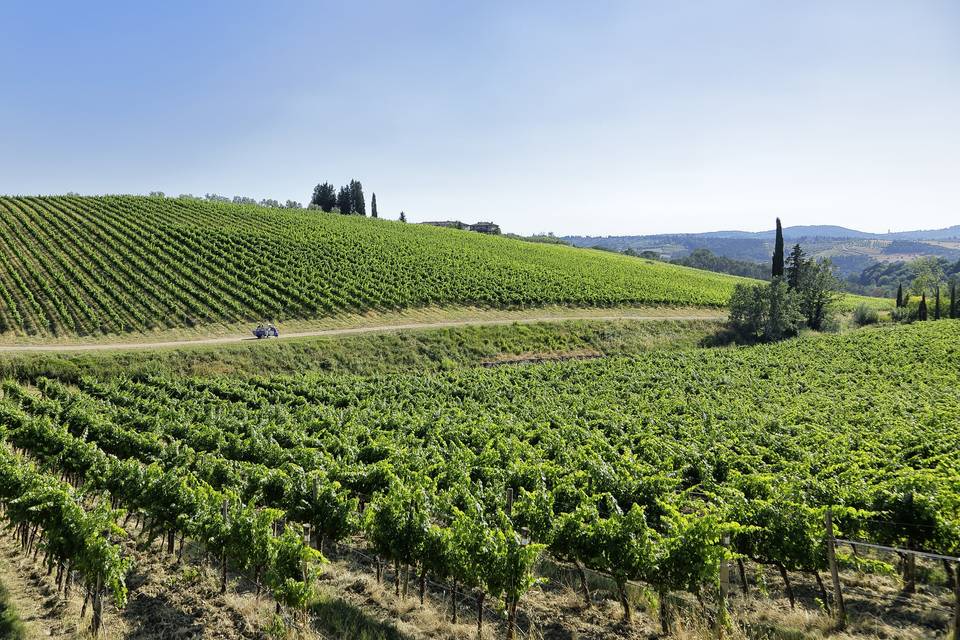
(374, 320)
(44, 612)
(171, 600)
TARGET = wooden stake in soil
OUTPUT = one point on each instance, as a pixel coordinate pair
(223, 558)
(834, 574)
(724, 588)
(97, 621)
(306, 541)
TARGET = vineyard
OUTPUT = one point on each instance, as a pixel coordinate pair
(638, 468)
(106, 265)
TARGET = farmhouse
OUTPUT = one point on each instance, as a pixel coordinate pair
(480, 227)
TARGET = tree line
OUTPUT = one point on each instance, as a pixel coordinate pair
(915, 277)
(215, 197)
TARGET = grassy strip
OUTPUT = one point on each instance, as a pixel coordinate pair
(412, 350)
(10, 626)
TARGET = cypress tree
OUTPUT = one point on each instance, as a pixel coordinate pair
(795, 267)
(899, 295)
(778, 252)
(373, 205)
(953, 300)
(922, 311)
(936, 306)
(344, 201)
(359, 206)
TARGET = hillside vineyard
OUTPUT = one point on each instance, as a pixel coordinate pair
(660, 453)
(114, 264)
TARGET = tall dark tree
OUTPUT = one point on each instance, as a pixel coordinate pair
(778, 252)
(936, 305)
(344, 201)
(356, 197)
(373, 205)
(954, 310)
(324, 196)
(922, 311)
(795, 266)
(899, 295)
(403, 217)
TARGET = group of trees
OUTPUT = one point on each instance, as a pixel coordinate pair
(905, 311)
(214, 197)
(348, 200)
(915, 276)
(802, 292)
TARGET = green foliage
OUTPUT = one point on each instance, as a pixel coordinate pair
(291, 575)
(397, 523)
(795, 266)
(768, 312)
(708, 261)
(928, 274)
(864, 315)
(636, 466)
(357, 203)
(922, 274)
(119, 264)
(777, 271)
(31, 498)
(324, 197)
(686, 552)
(818, 292)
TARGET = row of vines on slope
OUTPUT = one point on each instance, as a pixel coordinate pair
(636, 468)
(113, 264)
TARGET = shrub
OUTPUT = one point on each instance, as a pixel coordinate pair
(864, 315)
(766, 312)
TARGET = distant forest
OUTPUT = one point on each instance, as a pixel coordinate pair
(879, 279)
(706, 259)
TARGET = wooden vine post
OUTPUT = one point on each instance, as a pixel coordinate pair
(722, 613)
(97, 620)
(306, 541)
(834, 574)
(223, 557)
(315, 492)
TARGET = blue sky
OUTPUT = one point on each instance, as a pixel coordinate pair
(575, 117)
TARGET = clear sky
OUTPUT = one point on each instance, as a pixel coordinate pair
(592, 117)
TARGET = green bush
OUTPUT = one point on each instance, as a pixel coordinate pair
(864, 315)
(766, 312)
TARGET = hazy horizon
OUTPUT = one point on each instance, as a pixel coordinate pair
(621, 118)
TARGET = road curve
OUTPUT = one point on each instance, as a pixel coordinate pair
(346, 331)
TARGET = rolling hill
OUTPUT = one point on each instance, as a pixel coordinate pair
(850, 250)
(117, 264)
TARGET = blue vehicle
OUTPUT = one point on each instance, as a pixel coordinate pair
(266, 331)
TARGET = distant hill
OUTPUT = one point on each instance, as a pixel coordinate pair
(115, 264)
(799, 231)
(851, 250)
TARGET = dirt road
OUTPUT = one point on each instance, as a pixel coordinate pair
(345, 331)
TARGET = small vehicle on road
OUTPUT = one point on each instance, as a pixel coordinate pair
(266, 331)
